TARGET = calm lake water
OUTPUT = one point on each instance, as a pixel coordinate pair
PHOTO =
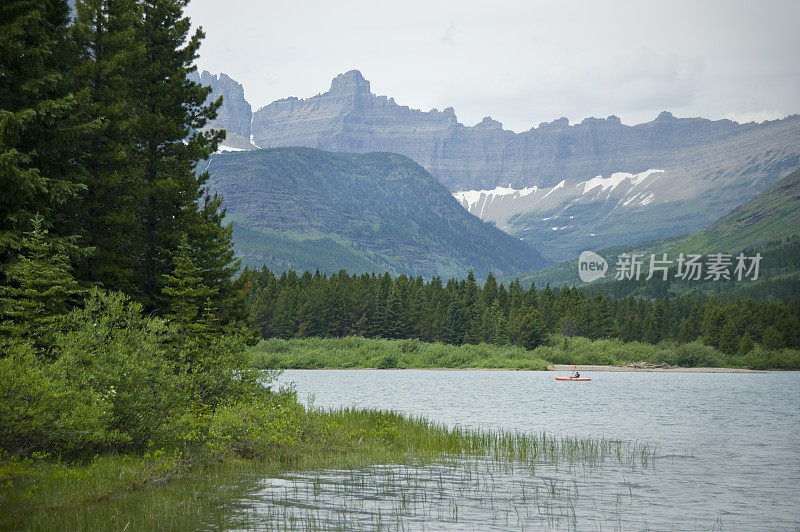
(728, 453)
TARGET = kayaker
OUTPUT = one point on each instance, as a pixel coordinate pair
(576, 374)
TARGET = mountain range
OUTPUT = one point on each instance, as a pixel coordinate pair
(307, 209)
(563, 187)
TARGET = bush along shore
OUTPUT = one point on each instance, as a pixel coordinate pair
(358, 352)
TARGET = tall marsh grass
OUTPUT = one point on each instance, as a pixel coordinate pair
(177, 490)
(359, 352)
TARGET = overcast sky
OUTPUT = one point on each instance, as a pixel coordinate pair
(523, 62)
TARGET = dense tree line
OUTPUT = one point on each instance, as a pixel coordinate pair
(100, 136)
(459, 312)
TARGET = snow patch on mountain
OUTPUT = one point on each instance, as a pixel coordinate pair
(616, 179)
(499, 204)
(222, 148)
(648, 199)
(470, 198)
(558, 186)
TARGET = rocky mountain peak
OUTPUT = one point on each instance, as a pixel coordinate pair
(235, 114)
(489, 123)
(351, 82)
(558, 123)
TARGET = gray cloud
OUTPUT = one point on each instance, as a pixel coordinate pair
(520, 62)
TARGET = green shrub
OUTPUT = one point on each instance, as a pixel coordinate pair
(118, 380)
(694, 355)
(42, 410)
(217, 368)
(387, 362)
(258, 426)
(112, 351)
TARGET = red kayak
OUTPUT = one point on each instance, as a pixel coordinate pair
(572, 379)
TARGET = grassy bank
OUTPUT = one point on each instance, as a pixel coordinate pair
(357, 352)
(198, 487)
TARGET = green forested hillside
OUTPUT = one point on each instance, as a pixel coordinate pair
(768, 224)
(773, 214)
(300, 208)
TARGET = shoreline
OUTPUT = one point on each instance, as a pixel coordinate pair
(649, 369)
(558, 367)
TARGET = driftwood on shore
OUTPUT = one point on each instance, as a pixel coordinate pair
(647, 365)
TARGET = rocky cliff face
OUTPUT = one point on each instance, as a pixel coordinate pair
(235, 114)
(350, 118)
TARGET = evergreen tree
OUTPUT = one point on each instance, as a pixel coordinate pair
(713, 321)
(395, 323)
(489, 292)
(187, 296)
(745, 344)
(456, 327)
(601, 322)
(431, 312)
(729, 338)
(487, 325)
(40, 289)
(500, 333)
(472, 310)
(515, 293)
(772, 339)
(502, 299)
(439, 322)
(546, 308)
(532, 297)
(40, 131)
(312, 314)
(169, 143)
(285, 321)
(531, 330)
(213, 243)
(111, 56)
(690, 327)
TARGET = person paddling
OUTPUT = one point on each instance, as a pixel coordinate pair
(576, 374)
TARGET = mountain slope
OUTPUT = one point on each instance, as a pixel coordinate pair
(773, 214)
(768, 223)
(373, 211)
(699, 185)
(350, 118)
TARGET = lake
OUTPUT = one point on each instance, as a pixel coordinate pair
(728, 453)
